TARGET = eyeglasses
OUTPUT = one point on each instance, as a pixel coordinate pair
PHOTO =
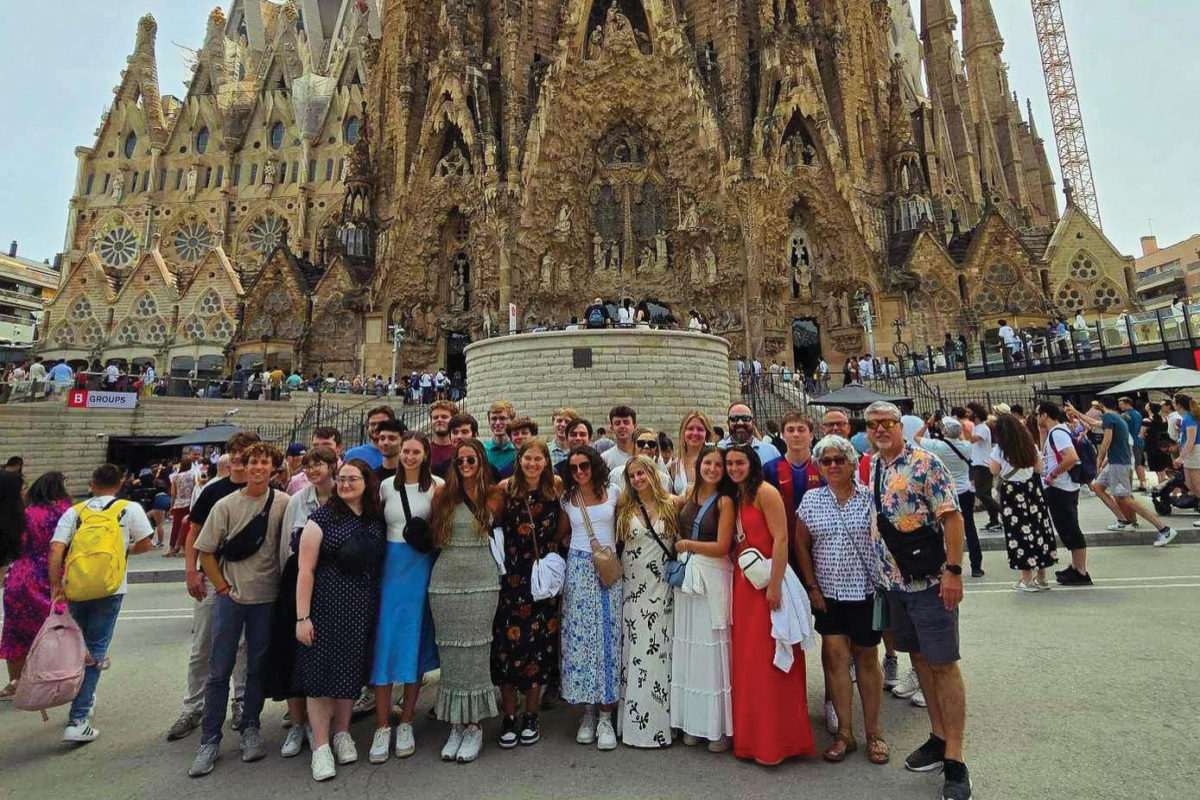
(470, 461)
(584, 467)
(833, 462)
(883, 424)
(348, 480)
(647, 444)
(741, 418)
(835, 424)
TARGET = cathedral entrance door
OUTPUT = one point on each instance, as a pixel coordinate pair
(456, 357)
(806, 346)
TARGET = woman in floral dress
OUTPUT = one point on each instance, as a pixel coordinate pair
(647, 526)
(1028, 531)
(27, 588)
(525, 631)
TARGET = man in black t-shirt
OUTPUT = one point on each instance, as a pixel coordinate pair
(198, 588)
(596, 315)
(388, 436)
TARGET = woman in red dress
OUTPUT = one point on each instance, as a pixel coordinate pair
(770, 707)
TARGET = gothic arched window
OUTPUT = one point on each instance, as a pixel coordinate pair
(352, 129)
(130, 144)
(277, 132)
(202, 141)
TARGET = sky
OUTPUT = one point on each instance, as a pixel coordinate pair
(1135, 63)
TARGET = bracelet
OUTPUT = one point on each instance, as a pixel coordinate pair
(302, 619)
(224, 590)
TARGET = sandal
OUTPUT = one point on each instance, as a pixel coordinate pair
(9, 691)
(878, 751)
(839, 748)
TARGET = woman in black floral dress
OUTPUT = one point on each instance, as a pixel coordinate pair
(1028, 531)
(525, 635)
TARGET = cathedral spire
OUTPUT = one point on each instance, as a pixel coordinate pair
(936, 14)
(979, 27)
(140, 85)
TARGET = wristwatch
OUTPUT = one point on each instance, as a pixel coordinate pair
(954, 569)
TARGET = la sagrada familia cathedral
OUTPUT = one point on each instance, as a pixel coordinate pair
(342, 168)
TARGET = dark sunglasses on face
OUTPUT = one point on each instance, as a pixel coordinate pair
(833, 462)
(647, 444)
(584, 467)
(470, 461)
(884, 424)
(741, 418)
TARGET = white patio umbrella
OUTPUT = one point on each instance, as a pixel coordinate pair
(1163, 378)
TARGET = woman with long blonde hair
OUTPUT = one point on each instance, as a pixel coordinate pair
(463, 590)
(695, 431)
(647, 526)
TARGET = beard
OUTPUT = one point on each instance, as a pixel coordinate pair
(741, 434)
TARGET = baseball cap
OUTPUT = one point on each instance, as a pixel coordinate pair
(296, 449)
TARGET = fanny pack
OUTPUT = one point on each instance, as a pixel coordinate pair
(919, 553)
(249, 540)
(417, 533)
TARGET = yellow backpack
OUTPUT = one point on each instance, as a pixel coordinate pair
(96, 559)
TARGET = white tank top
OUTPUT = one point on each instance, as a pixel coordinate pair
(604, 522)
(420, 503)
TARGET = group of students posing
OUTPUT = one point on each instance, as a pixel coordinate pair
(659, 597)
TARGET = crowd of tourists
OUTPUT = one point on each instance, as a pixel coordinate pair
(665, 590)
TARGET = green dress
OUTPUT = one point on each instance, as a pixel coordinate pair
(463, 592)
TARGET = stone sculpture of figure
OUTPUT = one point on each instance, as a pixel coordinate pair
(345, 169)
(547, 274)
(646, 262)
(693, 267)
(660, 250)
(269, 173)
(458, 289)
(596, 39)
(691, 218)
(562, 228)
(832, 304)
(193, 175)
(598, 251)
(118, 187)
(564, 275)
(612, 256)
(710, 264)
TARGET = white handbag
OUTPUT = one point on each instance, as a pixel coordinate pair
(496, 544)
(753, 564)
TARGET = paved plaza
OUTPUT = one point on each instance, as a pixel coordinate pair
(1075, 693)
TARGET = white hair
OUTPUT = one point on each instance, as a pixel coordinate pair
(884, 407)
(835, 442)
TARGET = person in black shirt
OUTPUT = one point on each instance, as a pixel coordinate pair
(596, 315)
(389, 434)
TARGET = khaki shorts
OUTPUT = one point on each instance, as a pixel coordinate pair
(1117, 479)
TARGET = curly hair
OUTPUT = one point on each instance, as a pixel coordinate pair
(599, 471)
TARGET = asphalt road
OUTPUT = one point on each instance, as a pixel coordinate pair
(1075, 693)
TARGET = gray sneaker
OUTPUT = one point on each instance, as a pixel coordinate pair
(206, 759)
(891, 672)
(252, 746)
(188, 721)
(235, 715)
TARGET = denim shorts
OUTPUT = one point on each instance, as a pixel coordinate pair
(921, 624)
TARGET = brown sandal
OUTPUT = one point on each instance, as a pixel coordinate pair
(878, 751)
(839, 748)
(9, 691)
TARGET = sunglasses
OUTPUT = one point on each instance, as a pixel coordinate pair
(470, 461)
(883, 424)
(833, 462)
(741, 418)
(584, 467)
(647, 444)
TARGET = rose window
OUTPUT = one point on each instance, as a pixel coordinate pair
(92, 334)
(193, 329)
(65, 336)
(267, 234)
(118, 247)
(1105, 297)
(193, 241)
(223, 330)
(156, 332)
(128, 333)
(82, 308)
(1083, 268)
(1070, 299)
(146, 306)
(209, 304)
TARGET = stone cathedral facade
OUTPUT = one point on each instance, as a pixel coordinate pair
(781, 166)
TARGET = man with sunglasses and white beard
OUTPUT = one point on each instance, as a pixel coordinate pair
(918, 537)
(742, 430)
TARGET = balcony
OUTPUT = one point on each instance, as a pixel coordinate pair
(32, 302)
(1150, 280)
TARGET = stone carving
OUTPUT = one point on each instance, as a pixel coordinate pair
(345, 170)
(660, 250)
(193, 176)
(691, 219)
(118, 187)
(693, 267)
(269, 173)
(547, 273)
(834, 308)
(453, 164)
(598, 251)
(459, 275)
(562, 228)
(647, 261)
(710, 264)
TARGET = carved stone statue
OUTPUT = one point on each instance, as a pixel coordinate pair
(833, 306)
(458, 288)
(453, 163)
(193, 175)
(598, 251)
(345, 170)
(693, 267)
(118, 187)
(564, 275)
(562, 228)
(269, 173)
(691, 218)
(547, 274)
(660, 250)
(710, 264)
(646, 262)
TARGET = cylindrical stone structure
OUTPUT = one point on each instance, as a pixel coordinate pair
(662, 374)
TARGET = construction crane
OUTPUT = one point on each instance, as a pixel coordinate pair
(1065, 113)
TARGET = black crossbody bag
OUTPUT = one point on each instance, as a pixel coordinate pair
(920, 553)
(249, 540)
(417, 533)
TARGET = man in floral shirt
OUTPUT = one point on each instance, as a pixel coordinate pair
(913, 498)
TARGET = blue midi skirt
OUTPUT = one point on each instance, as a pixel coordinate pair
(404, 644)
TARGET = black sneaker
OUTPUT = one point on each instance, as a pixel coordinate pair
(550, 698)
(530, 731)
(508, 734)
(927, 757)
(977, 572)
(1062, 575)
(1075, 579)
(958, 781)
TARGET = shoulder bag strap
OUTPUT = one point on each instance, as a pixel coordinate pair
(877, 482)
(587, 521)
(533, 532)
(954, 450)
(871, 573)
(701, 511)
(650, 528)
(403, 490)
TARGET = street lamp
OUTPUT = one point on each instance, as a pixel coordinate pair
(397, 338)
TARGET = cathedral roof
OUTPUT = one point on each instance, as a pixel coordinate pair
(959, 245)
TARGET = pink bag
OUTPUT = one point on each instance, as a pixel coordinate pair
(54, 668)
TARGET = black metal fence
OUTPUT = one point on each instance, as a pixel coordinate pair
(350, 421)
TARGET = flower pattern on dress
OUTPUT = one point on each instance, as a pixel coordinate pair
(27, 587)
(1028, 531)
(644, 719)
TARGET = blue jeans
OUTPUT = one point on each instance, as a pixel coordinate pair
(97, 619)
(229, 618)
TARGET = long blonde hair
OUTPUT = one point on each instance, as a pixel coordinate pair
(627, 503)
(687, 420)
(453, 494)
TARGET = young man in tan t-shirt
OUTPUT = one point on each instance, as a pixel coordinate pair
(246, 592)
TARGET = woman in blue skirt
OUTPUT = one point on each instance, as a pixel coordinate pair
(404, 644)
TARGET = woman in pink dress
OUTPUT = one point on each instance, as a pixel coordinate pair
(27, 588)
(770, 706)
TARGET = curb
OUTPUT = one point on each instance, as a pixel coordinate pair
(989, 543)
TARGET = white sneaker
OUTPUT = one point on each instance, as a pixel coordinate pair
(450, 751)
(294, 742)
(918, 699)
(323, 767)
(606, 737)
(587, 727)
(472, 743)
(80, 733)
(406, 745)
(907, 687)
(1164, 538)
(1121, 526)
(831, 718)
(344, 749)
(381, 743)
(689, 740)
(1022, 586)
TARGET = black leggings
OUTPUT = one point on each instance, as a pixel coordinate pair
(982, 477)
(1064, 512)
(966, 501)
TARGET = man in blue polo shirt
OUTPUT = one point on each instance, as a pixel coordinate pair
(742, 430)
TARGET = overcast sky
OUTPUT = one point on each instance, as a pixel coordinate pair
(1136, 63)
